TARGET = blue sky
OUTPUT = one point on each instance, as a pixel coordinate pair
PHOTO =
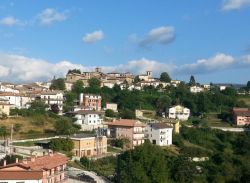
(209, 39)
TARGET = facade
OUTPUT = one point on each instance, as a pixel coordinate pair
(53, 97)
(196, 89)
(4, 107)
(44, 169)
(179, 112)
(146, 77)
(16, 100)
(88, 119)
(91, 101)
(88, 145)
(131, 129)
(111, 106)
(241, 116)
(159, 133)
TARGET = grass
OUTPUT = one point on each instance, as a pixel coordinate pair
(246, 99)
(213, 120)
(27, 144)
(113, 149)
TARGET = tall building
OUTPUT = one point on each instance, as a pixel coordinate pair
(91, 101)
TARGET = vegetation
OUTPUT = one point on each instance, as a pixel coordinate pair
(10, 159)
(164, 77)
(58, 84)
(110, 113)
(77, 71)
(61, 145)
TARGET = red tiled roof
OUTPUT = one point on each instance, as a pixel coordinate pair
(46, 162)
(21, 175)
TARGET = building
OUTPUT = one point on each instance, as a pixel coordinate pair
(44, 169)
(88, 119)
(146, 77)
(111, 106)
(4, 107)
(175, 124)
(241, 116)
(53, 97)
(133, 130)
(88, 145)
(16, 100)
(91, 101)
(196, 89)
(175, 83)
(179, 112)
(159, 133)
(8, 88)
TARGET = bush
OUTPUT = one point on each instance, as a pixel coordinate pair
(61, 145)
(85, 161)
(110, 113)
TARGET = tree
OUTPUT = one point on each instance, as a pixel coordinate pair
(58, 84)
(165, 77)
(65, 127)
(3, 131)
(61, 145)
(110, 113)
(17, 127)
(77, 71)
(94, 83)
(192, 81)
(10, 159)
(77, 87)
(163, 103)
(54, 108)
(39, 106)
(127, 114)
(136, 79)
(248, 84)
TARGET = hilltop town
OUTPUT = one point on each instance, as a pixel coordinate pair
(88, 119)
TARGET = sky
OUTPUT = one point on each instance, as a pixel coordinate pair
(207, 39)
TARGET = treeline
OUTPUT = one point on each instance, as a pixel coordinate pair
(158, 99)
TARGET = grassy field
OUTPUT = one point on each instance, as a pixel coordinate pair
(213, 120)
(246, 99)
(30, 127)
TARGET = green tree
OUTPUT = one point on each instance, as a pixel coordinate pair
(192, 81)
(94, 83)
(163, 103)
(55, 108)
(127, 114)
(65, 127)
(39, 106)
(77, 87)
(3, 131)
(17, 127)
(110, 113)
(165, 77)
(77, 71)
(61, 145)
(136, 79)
(58, 84)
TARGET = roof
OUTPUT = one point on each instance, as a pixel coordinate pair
(46, 162)
(241, 111)
(87, 112)
(80, 135)
(51, 92)
(160, 125)
(125, 123)
(21, 175)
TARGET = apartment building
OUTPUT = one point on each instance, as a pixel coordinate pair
(88, 145)
(44, 169)
(133, 130)
(159, 134)
(53, 97)
(91, 101)
(241, 116)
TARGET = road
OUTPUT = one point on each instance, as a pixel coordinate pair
(74, 172)
(230, 129)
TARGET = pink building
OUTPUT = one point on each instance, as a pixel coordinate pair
(241, 116)
(91, 101)
(127, 128)
(44, 169)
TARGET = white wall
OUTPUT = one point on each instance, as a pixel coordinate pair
(162, 137)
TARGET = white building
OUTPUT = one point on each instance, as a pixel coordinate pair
(179, 112)
(147, 77)
(111, 106)
(16, 100)
(53, 97)
(7, 88)
(88, 119)
(159, 133)
(196, 89)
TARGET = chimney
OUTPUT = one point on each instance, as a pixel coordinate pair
(50, 153)
(4, 163)
(16, 160)
(32, 159)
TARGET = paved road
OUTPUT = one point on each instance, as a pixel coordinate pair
(75, 171)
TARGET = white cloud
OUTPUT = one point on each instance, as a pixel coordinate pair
(50, 16)
(20, 68)
(219, 62)
(234, 4)
(9, 21)
(93, 36)
(160, 35)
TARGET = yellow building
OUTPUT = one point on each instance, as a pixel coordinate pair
(4, 107)
(88, 145)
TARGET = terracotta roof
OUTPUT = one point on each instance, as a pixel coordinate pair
(87, 112)
(46, 162)
(51, 92)
(21, 175)
(235, 109)
(125, 122)
(160, 125)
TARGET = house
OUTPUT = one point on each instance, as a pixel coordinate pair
(146, 77)
(91, 100)
(196, 89)
(159, 133)
(88, 119)
(7, 87)
(179, 112)
(4, 107)
(88, 145)
(175, 83)
(16, 100)
(175, 124)
(53, 97)
(241, 116)
(133, 130)
(49, 168)
(111, 106)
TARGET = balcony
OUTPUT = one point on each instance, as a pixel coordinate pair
(162, 133)
(138, 132)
